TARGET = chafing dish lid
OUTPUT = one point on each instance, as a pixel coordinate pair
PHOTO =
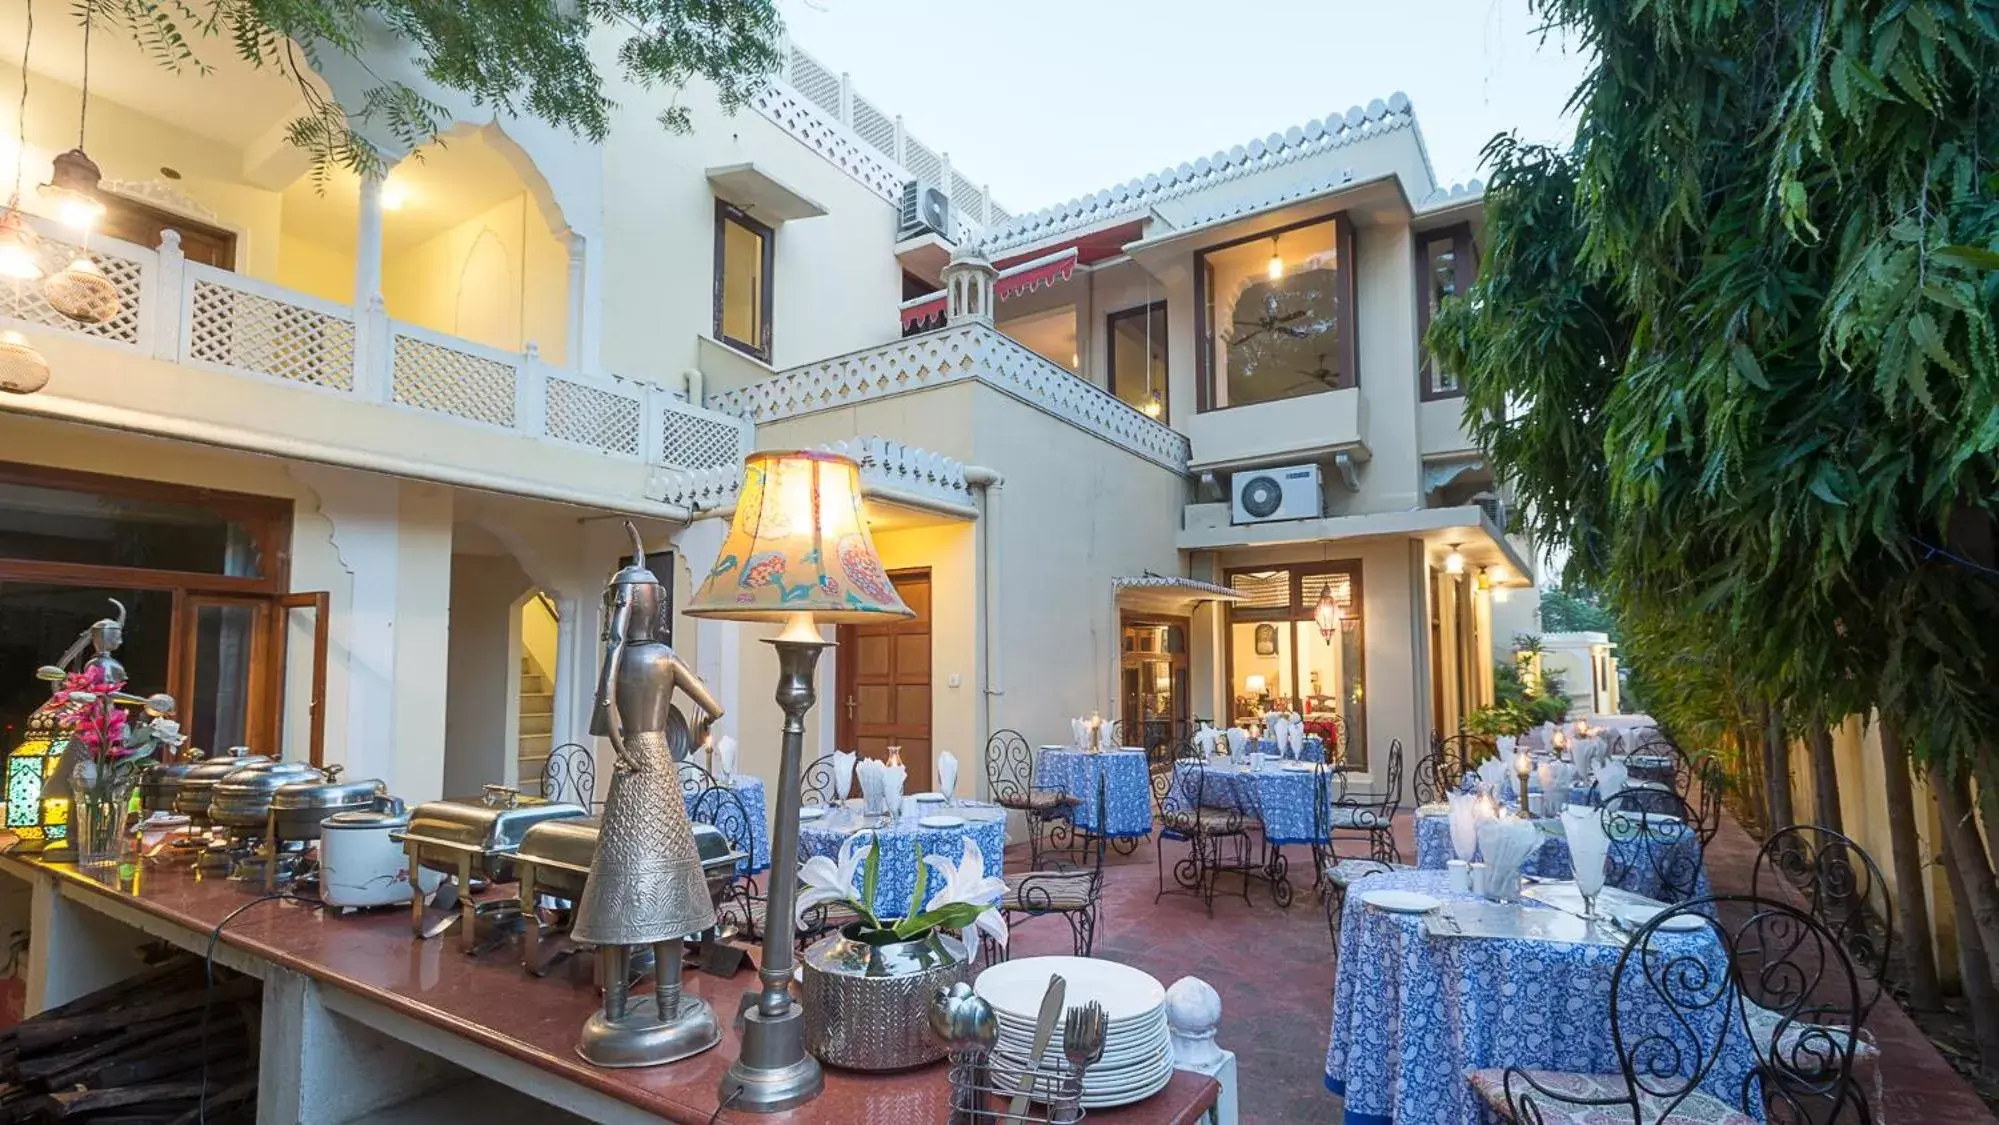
(714, 848)
(313, 793)
(215, 769)
(261, 779)
(568, 844)
(494, 823)
(366, 818)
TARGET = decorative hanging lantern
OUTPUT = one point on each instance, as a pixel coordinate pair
(18, 259)
(23, 371)
(1454, 563)
(37, 811)
(1326, 615)
(72, 187)
(81, 292)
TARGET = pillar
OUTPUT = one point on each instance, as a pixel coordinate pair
(572, 348)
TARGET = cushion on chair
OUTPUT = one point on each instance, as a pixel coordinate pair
(1207, 821)
(1811, 1050)
(1700, 1108)
(1037, 800)
(1347, 872)
(1347, 816)
(832, 915)
(1042, 891)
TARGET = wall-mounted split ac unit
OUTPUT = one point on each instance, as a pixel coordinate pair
(925, 209)
(1291, 492)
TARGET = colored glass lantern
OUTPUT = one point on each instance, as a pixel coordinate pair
(37, 811)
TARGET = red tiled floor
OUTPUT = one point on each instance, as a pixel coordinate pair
(1273, 969)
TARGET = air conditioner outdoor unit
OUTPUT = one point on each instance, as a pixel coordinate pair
(925, 210)
(1287, 493)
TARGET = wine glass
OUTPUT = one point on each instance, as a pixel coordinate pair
(1589, 883)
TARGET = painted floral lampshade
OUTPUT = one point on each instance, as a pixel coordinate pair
(799, 548)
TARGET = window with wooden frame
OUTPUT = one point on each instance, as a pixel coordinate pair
(1446, 266)
(1322, 678)
(1137, 358)
(745, 252)
(203, 576)
(1275, 315)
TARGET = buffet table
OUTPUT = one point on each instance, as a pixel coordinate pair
(345, 996)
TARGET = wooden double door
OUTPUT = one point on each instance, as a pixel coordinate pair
(883, 684)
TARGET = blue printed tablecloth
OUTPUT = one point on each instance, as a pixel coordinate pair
(1281, 798)
(1645, 876)
(1314, 749)
(898, 840)
(1127, 794)
(1413, 1013)
(751, 791)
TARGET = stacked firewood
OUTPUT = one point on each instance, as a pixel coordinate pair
(134, 1053)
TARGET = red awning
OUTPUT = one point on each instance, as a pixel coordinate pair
(1013, 281)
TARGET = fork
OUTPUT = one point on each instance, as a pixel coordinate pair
(1083, 1031)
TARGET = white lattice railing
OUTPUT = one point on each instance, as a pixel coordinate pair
(214, 320)
(889, 469)
(949, 355)
(819, 107)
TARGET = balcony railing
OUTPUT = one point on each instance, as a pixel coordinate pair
(949, 355)
(187, 313)
(890, 469)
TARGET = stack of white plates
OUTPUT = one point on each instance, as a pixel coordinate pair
(1138, 1057)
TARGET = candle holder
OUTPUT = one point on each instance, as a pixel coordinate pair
(1523, 766)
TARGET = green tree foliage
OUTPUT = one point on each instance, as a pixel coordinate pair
(1564, 611)
(529, 59)
(1736, 349)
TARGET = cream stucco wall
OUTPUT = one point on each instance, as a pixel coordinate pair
(499, 278)
(316, 269)
(481, 701)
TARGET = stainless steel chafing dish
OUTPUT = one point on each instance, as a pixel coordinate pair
(242, 798)
(554, 860)
(160, 783)
(197, 785)
(473, 836)
(299, 807)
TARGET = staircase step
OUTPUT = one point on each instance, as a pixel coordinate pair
(537, 702)
(532, 745)
(535, 684)
(537, 724)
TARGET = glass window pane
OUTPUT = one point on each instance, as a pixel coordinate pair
(1443, 278)
(1273, 309)
(1138, 358)
(38, 621)
(742, 283)
(1262, 668)
(1050, 334)
(224, 639)
(51, 524)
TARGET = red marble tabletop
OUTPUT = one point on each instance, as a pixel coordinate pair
(491, 1000)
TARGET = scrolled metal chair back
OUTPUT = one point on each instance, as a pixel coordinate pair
(1843, 889)
(815, 783)
(1654, 838)
(1656, 743)
(723, 809)
(1711, 781)
(1440, 772)
(570, 775)
(694, 779)
(1009, 768)
(1159, 762)
(1751, 971)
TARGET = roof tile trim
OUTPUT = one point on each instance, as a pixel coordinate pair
(1300, 141)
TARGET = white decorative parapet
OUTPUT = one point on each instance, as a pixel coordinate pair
(950, 355)
(889, 470)
(211, 319)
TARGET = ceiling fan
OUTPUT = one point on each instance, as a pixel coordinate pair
(1269, 322)
(1323, 373)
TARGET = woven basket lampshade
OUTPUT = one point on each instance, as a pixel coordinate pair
(81, 292)
(23, 371)
(799, 548)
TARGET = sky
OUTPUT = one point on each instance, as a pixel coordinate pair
(1046, 100)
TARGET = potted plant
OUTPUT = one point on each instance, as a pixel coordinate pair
(110, 750)
(867, 987)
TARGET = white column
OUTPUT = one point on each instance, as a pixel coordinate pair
(575, 665)
(373, 348)
(572, 345)
(368, 243)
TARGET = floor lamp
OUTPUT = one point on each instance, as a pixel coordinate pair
(798, 552)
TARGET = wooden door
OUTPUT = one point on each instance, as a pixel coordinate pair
(884, 674)
(141, 224)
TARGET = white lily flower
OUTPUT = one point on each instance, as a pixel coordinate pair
(827, 881)
(965, 881)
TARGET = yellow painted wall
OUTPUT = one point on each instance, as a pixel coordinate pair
(499, 278)
(316, 268)
(128, 145)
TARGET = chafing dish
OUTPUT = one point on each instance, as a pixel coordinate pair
(299, 807)
(465, 837)
(242, 798)
(197, 785)
(554, 860)
(159, 784)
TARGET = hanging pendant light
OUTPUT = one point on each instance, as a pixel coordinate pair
(1276, 267)
(23, 371)
(1454, 563)
(18, 259)
(81, 292)
(1326, 615)
(1154, 405)
(73, 180)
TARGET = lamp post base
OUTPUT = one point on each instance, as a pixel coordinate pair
(760, 1081)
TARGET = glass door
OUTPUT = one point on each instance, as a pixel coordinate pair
(1153, 683)
(225, 655)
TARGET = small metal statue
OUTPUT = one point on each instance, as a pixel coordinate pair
(646, 884)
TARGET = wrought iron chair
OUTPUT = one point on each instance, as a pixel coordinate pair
(1187, 810)
(1655, 841)
(570, 775)
(1073, 891)
(1371, 814)
(1440, 772)
(815, 783)
(1780, 959)
(1010, 785)
(1336, 875)
(1656, 743)
(723, 809)
(1842, 887)
(1710, 782)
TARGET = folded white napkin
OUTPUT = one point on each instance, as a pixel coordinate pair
(843, 775)
(1204, 740)
(725, 758)
(1612, 777)
(1505, 843)
(1079, 734)
(1107, 737)
(893, 779)
(1464, 825)
(1505, 744)
(1589, 847)
(868, 773)
(1294, 734)
(1492, 774)
(947, 773)
(1555, 778)
(1238, 738)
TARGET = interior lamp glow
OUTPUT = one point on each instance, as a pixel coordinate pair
(1454, 563)
(17, 250)
(1275, 269)
(1326, 615)
(1154, 406)
(394, 195)
(72, 187)
(798, 552)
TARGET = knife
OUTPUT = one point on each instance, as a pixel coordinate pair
(1044, 1031)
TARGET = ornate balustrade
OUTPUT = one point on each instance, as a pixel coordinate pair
(211, 319)
(890, 470)
(950, 355)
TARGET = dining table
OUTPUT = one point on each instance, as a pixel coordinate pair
(1663, 863)
(1415, 1009)
(1280, 795)
(750, 790)
(1127, 794)
(902, 838)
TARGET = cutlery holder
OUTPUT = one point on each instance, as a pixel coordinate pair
(981, 1093)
